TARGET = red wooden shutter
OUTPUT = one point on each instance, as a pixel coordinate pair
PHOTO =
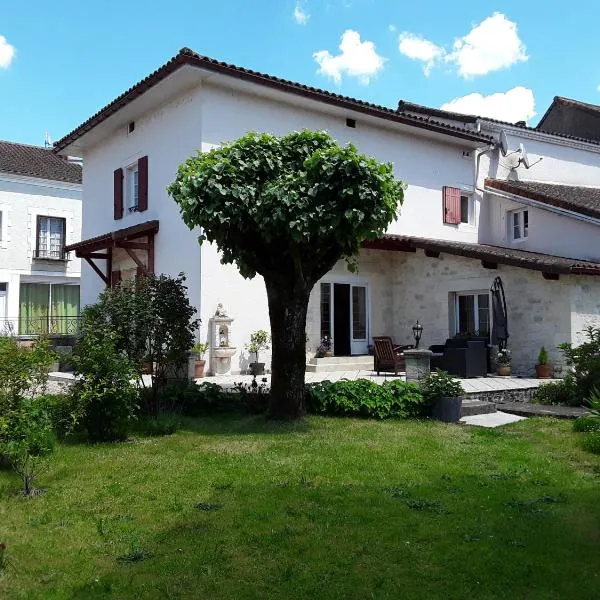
(451, 205)
(118, 193)
(143, 183)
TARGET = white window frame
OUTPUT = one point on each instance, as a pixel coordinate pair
(475, 294)
(48, 236)
(471, 208)
(132, 187)
(520, 214)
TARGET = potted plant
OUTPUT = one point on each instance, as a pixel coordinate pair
(543, 369)
(503, 362)
(444, 394)
(325, 348)
(259, 341)
(199, 350)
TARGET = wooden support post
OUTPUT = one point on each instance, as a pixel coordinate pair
(97, 270)
(151, 253)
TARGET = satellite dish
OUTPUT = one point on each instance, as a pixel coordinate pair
(503, 143)
(524, 160)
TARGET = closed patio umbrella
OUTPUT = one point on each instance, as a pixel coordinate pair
(499, 314)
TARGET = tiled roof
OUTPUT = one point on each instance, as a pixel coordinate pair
(581, 200)
(37, 161)
(191, 58)
(404, 105)
(547, 263)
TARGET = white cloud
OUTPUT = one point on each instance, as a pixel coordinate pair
(7, 53)
(300, 15)
(392, 28)
(418, 48)
(356, 59)
(514, 105)
(492, 45)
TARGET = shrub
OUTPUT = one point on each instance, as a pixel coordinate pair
(408, 398)
(152, 321)
(440, 385)
(104, 394)
(559, 392)
(586, 424)
(62, 410)
(26, 437)
(26, 434)
(259, 341)
(585, 362)
(543, 358)
(162, 425)
(362, 398)
(591, 442)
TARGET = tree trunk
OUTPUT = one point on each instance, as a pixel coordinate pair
(287, 311)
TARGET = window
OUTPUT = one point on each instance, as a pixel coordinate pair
(472, 313)
(50, 238)
(467, 209)
(48, 308)
(519, 224)
(1, 226)
(132, 188)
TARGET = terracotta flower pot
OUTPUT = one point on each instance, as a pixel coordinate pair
(199, 365)
(544, 371)
(503, 370)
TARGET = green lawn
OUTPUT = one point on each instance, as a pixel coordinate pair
(238, 508)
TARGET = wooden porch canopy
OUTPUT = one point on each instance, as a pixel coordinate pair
(101, 248)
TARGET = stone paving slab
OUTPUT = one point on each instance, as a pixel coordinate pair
(491, 420)
(543, 410)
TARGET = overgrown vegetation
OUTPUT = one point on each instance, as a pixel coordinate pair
(440, 385)
(558, 392)
(584, 361)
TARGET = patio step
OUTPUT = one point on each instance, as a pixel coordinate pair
(332, 364)
(476, 407)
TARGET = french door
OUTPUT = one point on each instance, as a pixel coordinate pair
(345, 317)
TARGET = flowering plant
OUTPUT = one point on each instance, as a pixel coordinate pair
(503, 357)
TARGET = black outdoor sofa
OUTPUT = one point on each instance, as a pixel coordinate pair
(462, 357)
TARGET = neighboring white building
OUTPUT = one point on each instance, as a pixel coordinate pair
(40, 213)
(456, 232)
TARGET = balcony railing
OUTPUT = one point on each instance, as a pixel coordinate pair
(50, 254)
(36, 326)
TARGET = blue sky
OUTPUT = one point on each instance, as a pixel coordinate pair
(62, 61)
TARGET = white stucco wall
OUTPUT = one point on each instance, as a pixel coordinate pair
(22, 199)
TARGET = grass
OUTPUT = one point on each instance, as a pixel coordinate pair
(237, 508)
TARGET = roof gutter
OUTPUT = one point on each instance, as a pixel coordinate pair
(542, 205)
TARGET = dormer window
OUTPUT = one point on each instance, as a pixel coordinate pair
(518, 225)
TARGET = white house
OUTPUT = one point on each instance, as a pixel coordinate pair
(458, 228)
(40, 213)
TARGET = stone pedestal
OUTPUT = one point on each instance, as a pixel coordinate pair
(418, 364)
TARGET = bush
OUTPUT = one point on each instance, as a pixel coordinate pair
(162, 425)
(586, 424)
(408, 398)
(362, 398)
(591, 442)
(585, 362)
(62, 410)
(560, 392)
(543, 358)
(104, 394)
(26, 437)
(440, 385)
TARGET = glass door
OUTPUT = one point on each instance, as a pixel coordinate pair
(359, 321)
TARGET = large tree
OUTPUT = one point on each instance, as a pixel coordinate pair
(287, 208)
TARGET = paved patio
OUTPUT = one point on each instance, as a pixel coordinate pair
(478, 384)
